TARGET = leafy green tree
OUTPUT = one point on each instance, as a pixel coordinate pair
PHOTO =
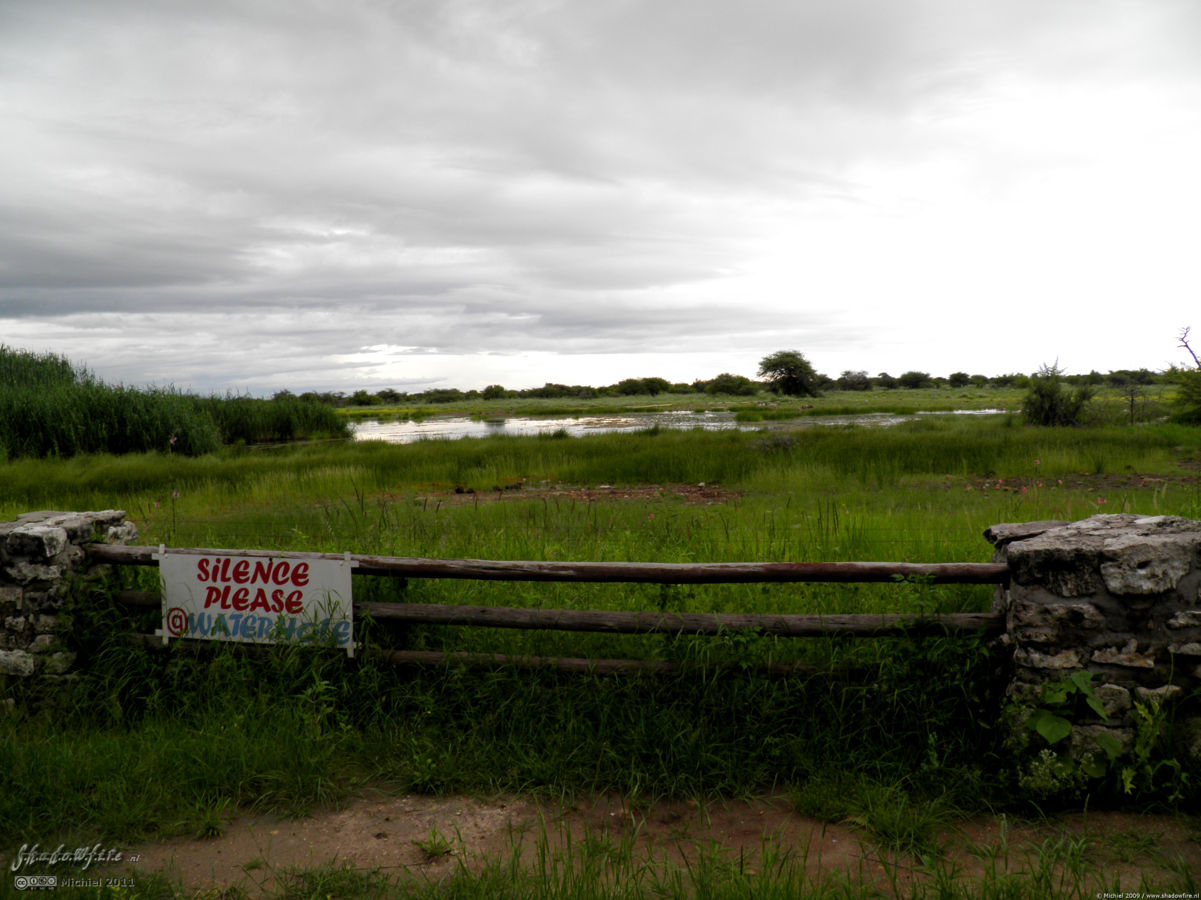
(854, 381)
(493, 392)
(788, 372)
(737, 385)
(1048, 401)
(913, 379)
(959, 379)
(885, 381)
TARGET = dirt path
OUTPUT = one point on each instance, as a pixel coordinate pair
(426, 837)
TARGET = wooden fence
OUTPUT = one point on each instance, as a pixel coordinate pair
(616, 622)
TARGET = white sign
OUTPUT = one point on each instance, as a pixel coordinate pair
(257, 599)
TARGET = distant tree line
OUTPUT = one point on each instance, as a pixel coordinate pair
(728, 385)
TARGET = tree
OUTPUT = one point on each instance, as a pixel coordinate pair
(959, 379)
(1048, 402)
(738, 385)
(494, 392)
(854, 381)
(788, 372)
(913, 379)
(1188, 382)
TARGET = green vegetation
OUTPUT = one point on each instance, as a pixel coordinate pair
(1048, 401)
(50, 408)
(783, 369)
(892, 735)
(788, 372)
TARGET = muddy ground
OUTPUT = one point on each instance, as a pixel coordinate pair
(426, 837)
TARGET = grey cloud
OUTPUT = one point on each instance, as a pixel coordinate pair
(479, 177)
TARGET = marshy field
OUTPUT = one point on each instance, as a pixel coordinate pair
(889, 740)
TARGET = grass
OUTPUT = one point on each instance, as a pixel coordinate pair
(172, 742)
(49, 408)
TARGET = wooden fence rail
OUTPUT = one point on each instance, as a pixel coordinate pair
(618, 622)
(605, 572)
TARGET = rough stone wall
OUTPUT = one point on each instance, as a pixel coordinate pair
(1116, 596)
(41, 555)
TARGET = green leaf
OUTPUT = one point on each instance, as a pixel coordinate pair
(1056, 693)
(1053, 728)
(1110, 744)
(1083, 682)
(1095, 704)
(1093, 767)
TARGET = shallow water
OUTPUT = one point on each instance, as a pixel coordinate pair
(455, 427)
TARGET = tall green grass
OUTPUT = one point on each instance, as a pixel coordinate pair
(48, 408)
(157, 740)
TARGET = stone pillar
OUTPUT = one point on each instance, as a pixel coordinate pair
(41, 556)
(1104, 615)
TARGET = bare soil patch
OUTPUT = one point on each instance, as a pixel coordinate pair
(397, 834)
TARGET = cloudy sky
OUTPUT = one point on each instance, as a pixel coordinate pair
(250, 195)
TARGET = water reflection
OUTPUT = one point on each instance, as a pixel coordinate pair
(456, 427)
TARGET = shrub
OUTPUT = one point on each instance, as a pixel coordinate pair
(854, 381)
(738, 385)
(1049, 402)
(914, 380)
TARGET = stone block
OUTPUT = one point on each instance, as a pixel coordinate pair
(1127, 655)
(24, 572)
(43, 643)
(16, 623)
(1065, 571)
(1054, 615)
(1187, 618)
(1133, 555)
(1065, 659)
(39, 542)
(1147, 564)
(1000, 536)
(1083, 740)
(1190, 735)
(58, 663)
(17, 662)
(1114, 698)
(125, 533)
(1193, 649)
(1156, 696)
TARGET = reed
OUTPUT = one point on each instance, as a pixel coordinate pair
(49, 408)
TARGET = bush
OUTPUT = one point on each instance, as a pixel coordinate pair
(854, 381)
(914, 380)
(737, 385)
(1049, 402)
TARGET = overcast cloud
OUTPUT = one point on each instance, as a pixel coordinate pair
(253, 195)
